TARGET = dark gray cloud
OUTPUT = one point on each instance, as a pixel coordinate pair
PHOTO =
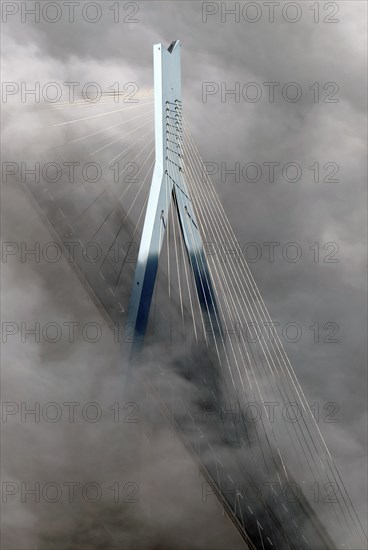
(227, 132)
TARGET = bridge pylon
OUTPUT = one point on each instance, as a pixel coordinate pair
(168, 189)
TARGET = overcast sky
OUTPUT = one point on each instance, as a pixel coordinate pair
(326, 132)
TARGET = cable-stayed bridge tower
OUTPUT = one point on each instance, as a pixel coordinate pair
(168, 186)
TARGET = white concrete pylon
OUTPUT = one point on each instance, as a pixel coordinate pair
(168, 181)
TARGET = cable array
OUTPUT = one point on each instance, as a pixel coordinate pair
(210, 293)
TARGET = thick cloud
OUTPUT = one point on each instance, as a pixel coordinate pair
(226, 131)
